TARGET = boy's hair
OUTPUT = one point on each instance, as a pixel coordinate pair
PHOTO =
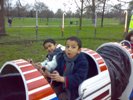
(129, 35)
(49, 40)
(74, 38)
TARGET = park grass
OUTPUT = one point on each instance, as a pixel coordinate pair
(23, 42)
(28, 33)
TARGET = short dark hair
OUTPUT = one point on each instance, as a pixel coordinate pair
(74, 38)
(129, 35)
(49, 40)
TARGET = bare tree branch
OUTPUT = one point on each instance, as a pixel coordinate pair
(19, 3)
(123, 1)
(77, 4)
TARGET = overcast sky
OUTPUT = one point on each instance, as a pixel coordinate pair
(54, 5)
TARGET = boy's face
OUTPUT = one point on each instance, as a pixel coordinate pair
(50, 47)
(72, 49)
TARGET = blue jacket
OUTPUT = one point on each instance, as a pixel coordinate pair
(79, 73)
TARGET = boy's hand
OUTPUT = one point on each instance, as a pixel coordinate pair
(30, 61)
(38, 66)
(47, 73)
(56, 77)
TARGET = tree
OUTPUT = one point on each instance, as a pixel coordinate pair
(104, 2)
(43, 10)
(59, 13)
(130, 7)
(40, 6)
(96, 4)
(92, 7)
(93, 10)
(81, 15)
(7, 8)
(81, 9)
(2, 21)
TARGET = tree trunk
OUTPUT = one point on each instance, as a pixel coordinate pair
(81, 15)
(93, 11)
(104, 2)
(2, 20)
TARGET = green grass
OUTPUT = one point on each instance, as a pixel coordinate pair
(20, 41)
(44, 32)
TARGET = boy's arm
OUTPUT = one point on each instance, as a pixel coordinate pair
(50, 65)
(44, 63)
(42, 70)
(61, 46)
(38, 66)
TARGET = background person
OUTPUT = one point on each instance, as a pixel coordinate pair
(9, 22)
(129, 37)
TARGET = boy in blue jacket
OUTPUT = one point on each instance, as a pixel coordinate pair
(71, 70)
